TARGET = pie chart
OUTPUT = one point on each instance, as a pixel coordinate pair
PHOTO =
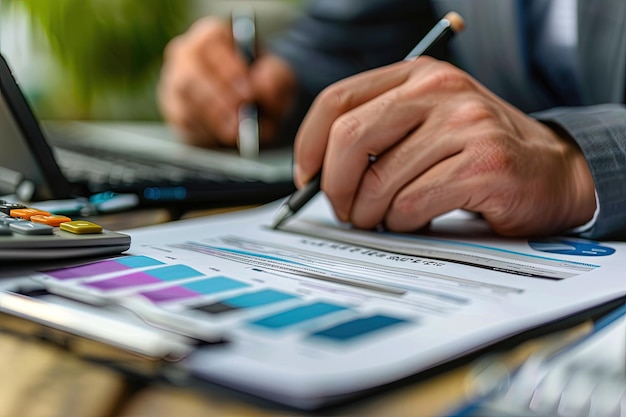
(571, 246)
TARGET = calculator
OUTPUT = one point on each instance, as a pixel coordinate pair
(27, 233)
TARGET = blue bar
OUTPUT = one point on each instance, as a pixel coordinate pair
(257, 299)
(297, 315)
(138, 261)
(174, 272)
(213, 285)
(358, 327)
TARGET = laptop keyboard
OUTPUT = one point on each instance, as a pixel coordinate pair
(162, 183)
(106, 171)
(99, 158)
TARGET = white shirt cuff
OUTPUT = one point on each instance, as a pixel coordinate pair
(587, 226)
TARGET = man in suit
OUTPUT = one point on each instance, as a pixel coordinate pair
(526, 128)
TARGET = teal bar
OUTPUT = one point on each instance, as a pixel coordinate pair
(297, 315)
(358, 327)
(138, 261)
(213, 285)
(174, 272)
(257, 299)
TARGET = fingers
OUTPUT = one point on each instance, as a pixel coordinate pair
(397, 168)
(458, 158)
(441, 141)
(429, 127)
(369, 111)
(203, 81)
(382, 128)
(202, 110)
(212, 42)
(437, 191)
(313, 135)
(524, 182)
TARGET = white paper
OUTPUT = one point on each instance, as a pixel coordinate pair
(440, 295)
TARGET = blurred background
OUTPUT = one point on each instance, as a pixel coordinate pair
(100, 59)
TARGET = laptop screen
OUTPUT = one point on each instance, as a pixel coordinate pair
(28, 168)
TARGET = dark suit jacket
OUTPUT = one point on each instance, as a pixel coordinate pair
(337, 38)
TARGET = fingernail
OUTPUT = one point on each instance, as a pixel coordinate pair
(342, 216)
(302, 176)
(297, 175)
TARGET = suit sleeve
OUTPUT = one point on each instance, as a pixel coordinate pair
(338, 38)
(600, 132)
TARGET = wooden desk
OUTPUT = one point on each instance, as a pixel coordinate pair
(40, 379)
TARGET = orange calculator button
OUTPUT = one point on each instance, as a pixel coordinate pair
(27, 213)
(51, 220)
(81, 227)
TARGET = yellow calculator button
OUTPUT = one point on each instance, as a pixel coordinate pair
(52, 220)
(27, 213)
(81, 227)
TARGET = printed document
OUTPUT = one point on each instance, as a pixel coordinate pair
(318, 310)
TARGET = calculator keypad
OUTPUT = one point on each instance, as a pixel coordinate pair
(81, 227)
(27, 213)
(50, 236)
(50, 220)
(6, 207)
(30, 228)
(17, 218)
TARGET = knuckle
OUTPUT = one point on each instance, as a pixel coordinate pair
(503, 203)
(409, 203)
(445, 76)
(173, 47)
(374, 183)
(470, 111)
(208, 27)
(500, 214)
(204, 32)
(184, 87)
(406, 204)
(346, 130)
(335, 97)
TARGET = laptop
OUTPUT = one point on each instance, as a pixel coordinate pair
(65, 160)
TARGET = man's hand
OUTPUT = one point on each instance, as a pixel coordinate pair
(404, 143)
(205, 79)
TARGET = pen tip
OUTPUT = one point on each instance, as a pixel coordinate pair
(284, 212)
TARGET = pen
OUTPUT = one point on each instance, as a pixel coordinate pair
(451, 23)
(244, 33)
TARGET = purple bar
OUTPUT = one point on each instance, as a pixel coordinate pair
(85, 271)
(168, 294)
(130, 280)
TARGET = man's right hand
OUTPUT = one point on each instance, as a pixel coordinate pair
(204, 81)
(405, 143)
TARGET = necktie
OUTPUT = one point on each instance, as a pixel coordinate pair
(552, 47)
